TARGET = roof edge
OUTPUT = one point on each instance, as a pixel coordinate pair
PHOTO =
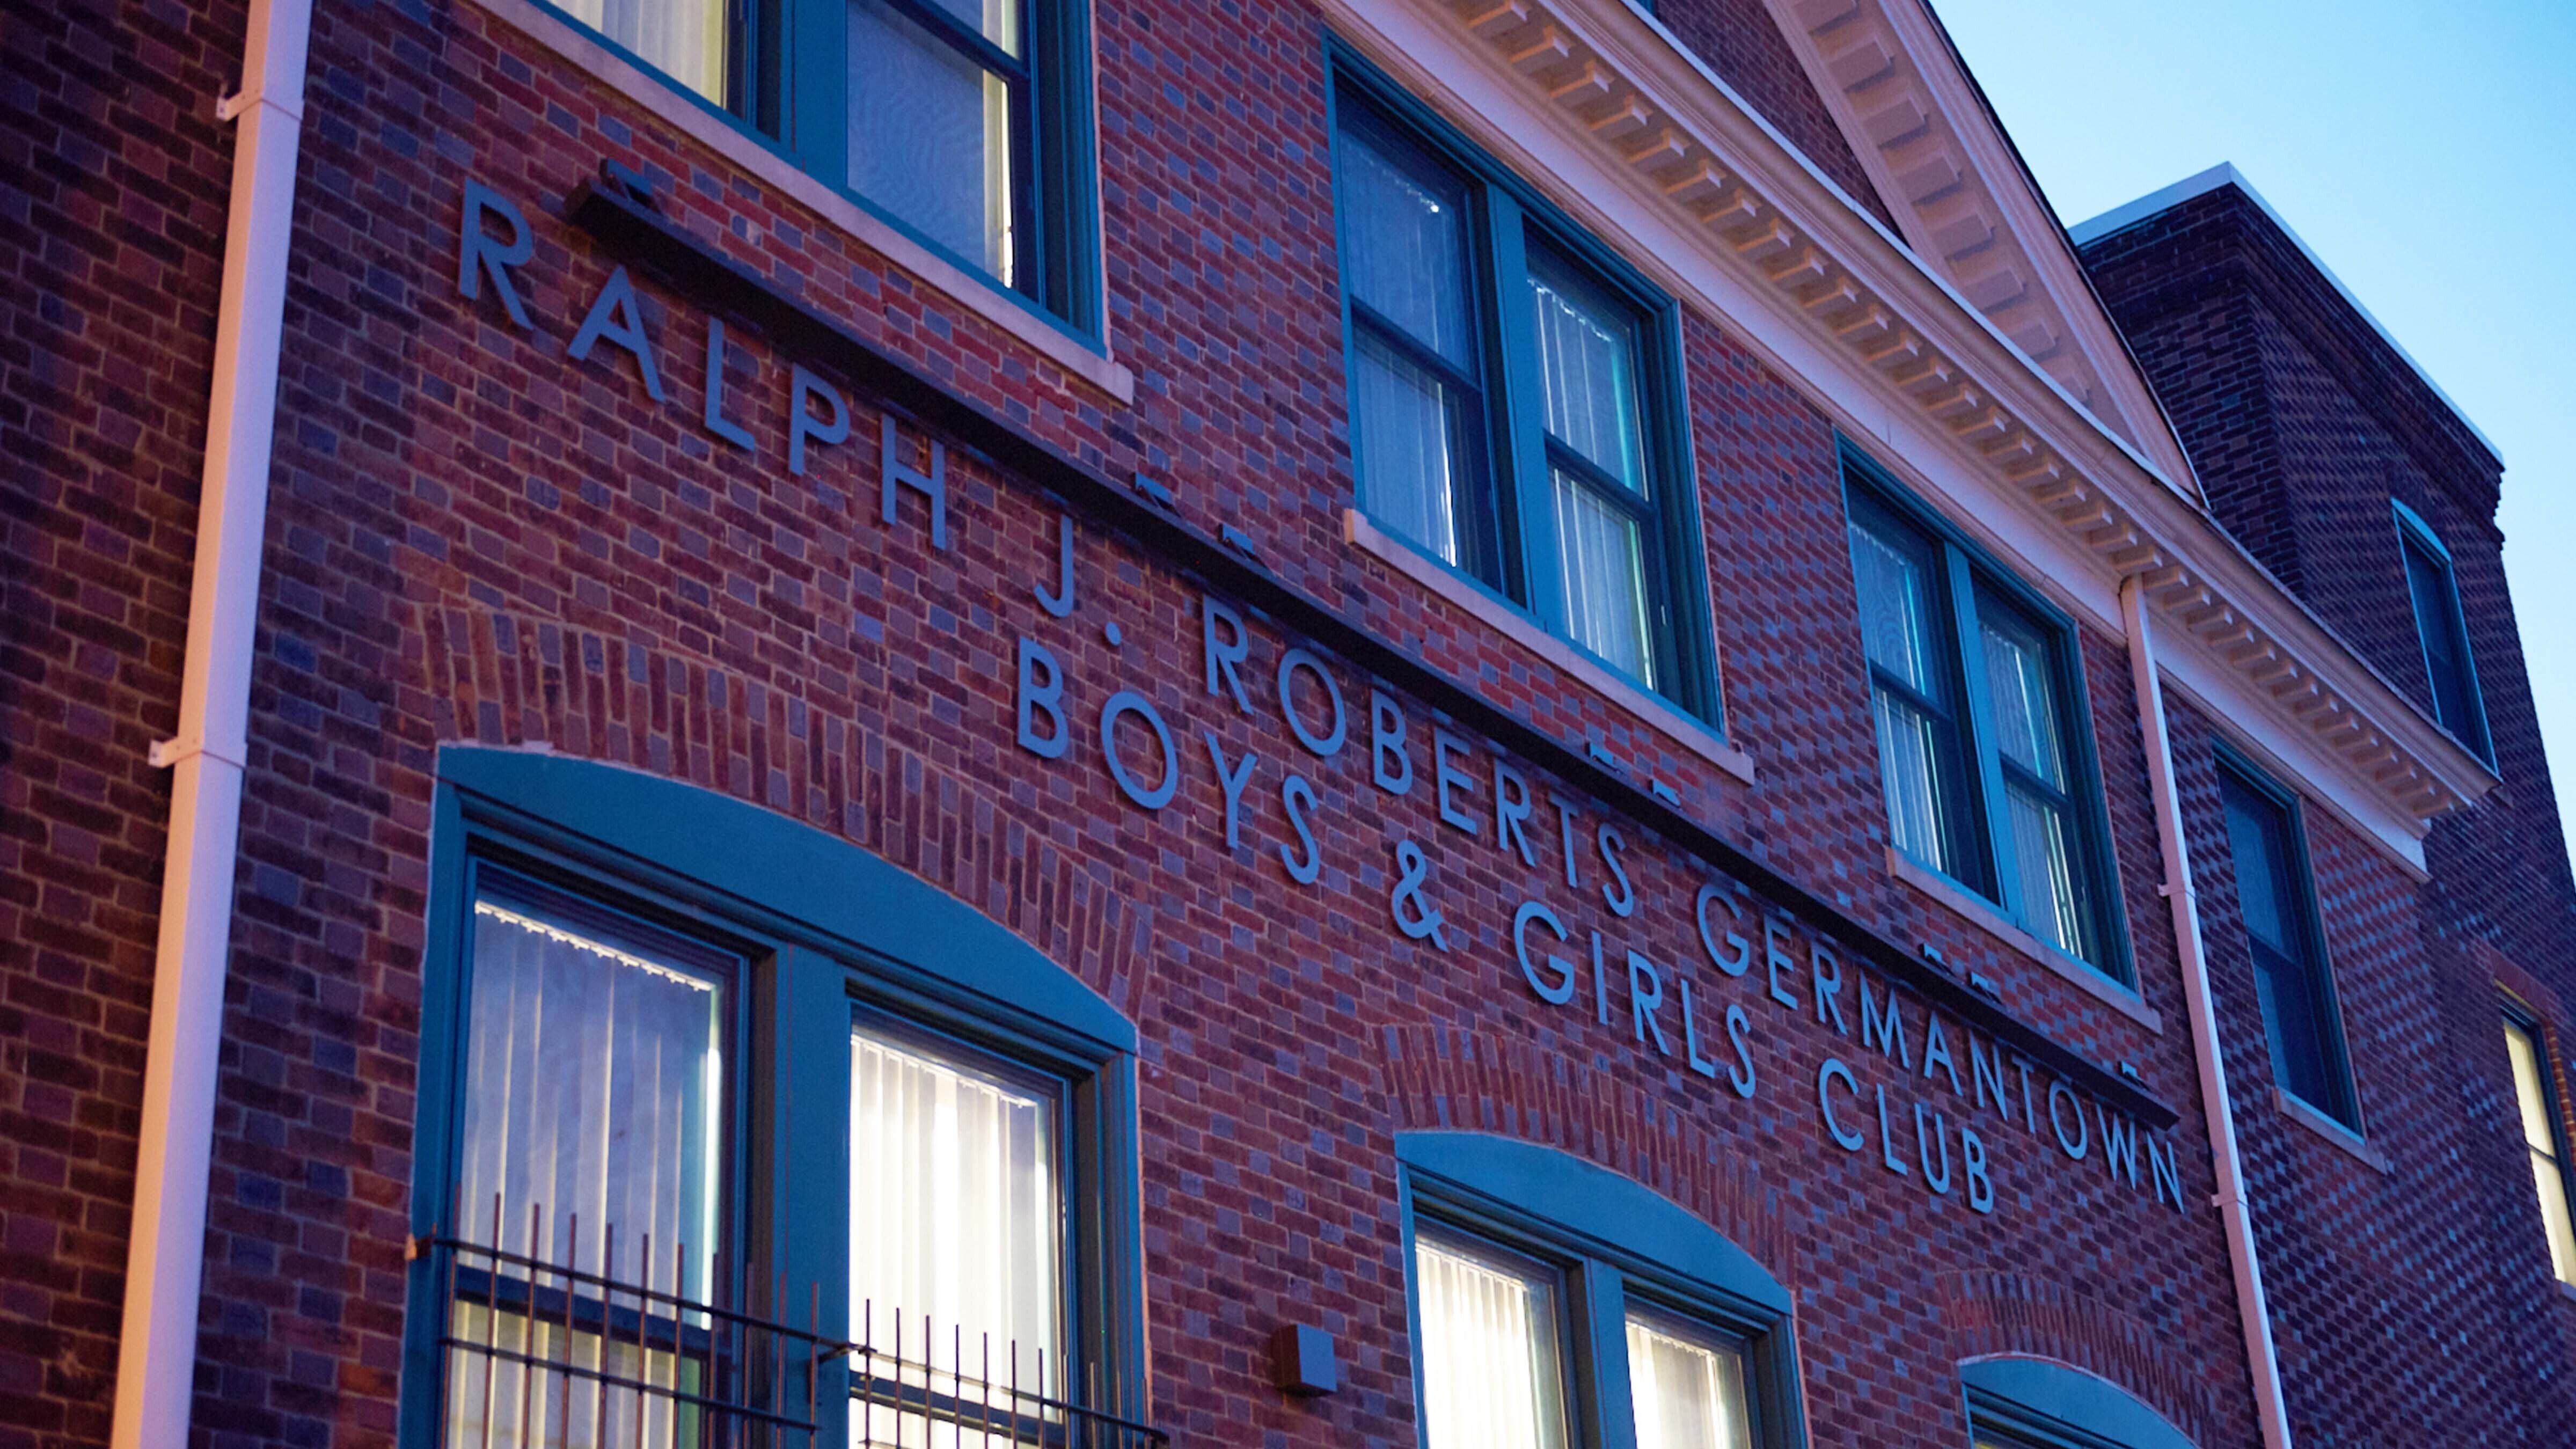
(2155, 203)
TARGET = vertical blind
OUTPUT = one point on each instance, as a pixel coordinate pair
(2540, 1137)
(1587, 362)
(1489, 1356)
(1688, 1392)
(956, 1227)
(931, 123)
(2027, 734)
(593, 1111)
(684, 39)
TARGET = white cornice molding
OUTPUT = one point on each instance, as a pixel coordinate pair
(1608, 114)
(1892, 81)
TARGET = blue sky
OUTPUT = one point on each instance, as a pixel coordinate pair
(2425, 151)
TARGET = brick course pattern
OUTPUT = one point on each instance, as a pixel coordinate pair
(474, 539)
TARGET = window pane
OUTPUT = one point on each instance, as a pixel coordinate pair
(956, 1236)
(2024, 698)
(2043, 858)
(1489, 1361)
(594, 1074)
(684, 39)
(1602, 557)
(1406, 258)
(1895, 611)
(2295, 1016)
(1689, 1394)
(996, 20)
(930, 136)
(2437, 622)
(1909, 770)
(2551, 1184)
(1587, 361)
(2256, 837)
(1406, 436)
(593, 1108)
(2530, 1090)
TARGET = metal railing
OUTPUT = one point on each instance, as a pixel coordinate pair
(542, 1354)
(905, 1393)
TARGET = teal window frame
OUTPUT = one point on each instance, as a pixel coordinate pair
(2306, 916)
(2518, 1016)
(787, 89)
(2416, 541)
(827, 936)
(2016, 1402)
(1959, 572)
(1608, 1239)
(1509, 455)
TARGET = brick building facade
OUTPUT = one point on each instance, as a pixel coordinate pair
(688, 561)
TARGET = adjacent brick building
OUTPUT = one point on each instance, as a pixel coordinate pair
(1457, 681)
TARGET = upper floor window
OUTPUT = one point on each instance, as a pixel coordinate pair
(1514, 396)
(964, 122)
(2277, 900)
(2434, 590)
(1539, 1328)
(676, 1156)
(1983, 737)
(2535, 1093)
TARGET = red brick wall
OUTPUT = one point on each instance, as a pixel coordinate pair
(475, 539)
(1741, 42)
(113, 180)
(2302, 425)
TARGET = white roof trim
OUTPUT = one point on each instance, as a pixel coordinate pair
(2128, 214)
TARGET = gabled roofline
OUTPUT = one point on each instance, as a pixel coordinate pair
(2155, 203)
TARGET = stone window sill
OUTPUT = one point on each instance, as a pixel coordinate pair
(1982, 914)
(685, 116)
(1431, 573)
(2331, 1130)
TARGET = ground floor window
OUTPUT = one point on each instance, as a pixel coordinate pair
(702, 1169)
(1555, 1304)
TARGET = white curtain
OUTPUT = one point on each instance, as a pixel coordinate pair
(1489, 1360)
(930, 132)
(684, 39)
(956, 1238)
(593, 1102)
(1688, 1395)
(1406, 431)
(1586, 360)
(1602, 560)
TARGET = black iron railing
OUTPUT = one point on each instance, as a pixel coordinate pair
(914, 1387)
(691, 1354)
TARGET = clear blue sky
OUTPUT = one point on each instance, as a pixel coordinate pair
(2425, 149)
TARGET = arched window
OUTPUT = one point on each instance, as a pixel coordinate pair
(2037, 1403)
(706, 1094)
(1557, 1303)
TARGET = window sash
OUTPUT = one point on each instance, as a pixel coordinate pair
(2536, 1097)
(1490, 1347)
(1688, 1387)
(2442, 632)
(2292, 979)
(1532, 485)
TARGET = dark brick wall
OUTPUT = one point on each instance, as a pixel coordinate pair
(113, 181)
(1741, 42)
(475, 539)
(2303, 424)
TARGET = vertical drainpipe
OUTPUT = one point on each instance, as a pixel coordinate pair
(165, 1261)
(2233, 1211)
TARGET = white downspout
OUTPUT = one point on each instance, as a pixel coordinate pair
(165, 1262)
(2233, 1211)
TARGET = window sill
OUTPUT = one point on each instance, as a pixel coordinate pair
(2329, 1129)
(1363, 533)
(1982, 913)
(685, 116)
